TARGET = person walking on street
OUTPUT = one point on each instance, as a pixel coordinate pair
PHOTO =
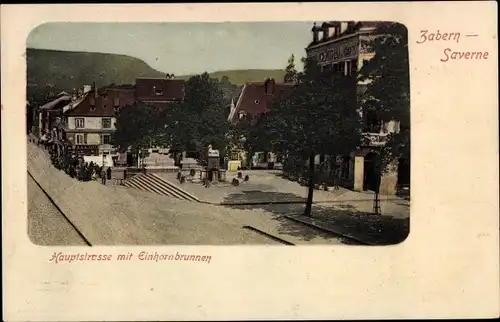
(103, 176)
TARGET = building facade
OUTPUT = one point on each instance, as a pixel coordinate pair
(339, 47)
(90, 119)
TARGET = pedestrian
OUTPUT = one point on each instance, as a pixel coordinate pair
(103, 176)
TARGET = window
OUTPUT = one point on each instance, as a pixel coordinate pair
(92, 108)
(348, 68)
(256, 101)
(371, 121)
(116, 109)
(354, 66)
(342, 68)
(106, 123)
(105, 139)
(79, 123)
(81, 138)
(105, 106)
(158, 92)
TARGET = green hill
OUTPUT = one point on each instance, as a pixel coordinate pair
(240, 77)
(67, 70)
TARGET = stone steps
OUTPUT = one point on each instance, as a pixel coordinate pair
(153, 183)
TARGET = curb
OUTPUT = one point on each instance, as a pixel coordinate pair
(328, 230)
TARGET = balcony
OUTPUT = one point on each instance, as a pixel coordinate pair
(374, 139)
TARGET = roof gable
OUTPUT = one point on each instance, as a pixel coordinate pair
(254, 100)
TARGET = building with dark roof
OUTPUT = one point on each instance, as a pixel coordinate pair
(159, 92)
(257, 98)
(90, 118)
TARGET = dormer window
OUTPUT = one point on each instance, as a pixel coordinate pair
(158, 92)
(92, 108)
(256, 102)
(241, 114)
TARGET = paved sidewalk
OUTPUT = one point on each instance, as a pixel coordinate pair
(362, 227)
(265, 187)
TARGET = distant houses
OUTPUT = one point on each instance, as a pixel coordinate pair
(84, 121)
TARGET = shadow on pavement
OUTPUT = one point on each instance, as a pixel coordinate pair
(344, 218)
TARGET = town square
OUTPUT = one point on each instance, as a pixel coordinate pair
(305, 140)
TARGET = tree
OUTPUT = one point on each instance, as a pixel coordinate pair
(250, 134)
(138, 127)
(200, 120)
(318, 117)
(388, 90)
(290, 71)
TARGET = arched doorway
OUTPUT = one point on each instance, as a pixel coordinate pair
(371, 180)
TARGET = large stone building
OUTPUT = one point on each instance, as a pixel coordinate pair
(338, 46)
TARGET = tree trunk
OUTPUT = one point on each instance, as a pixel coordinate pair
(307, 211)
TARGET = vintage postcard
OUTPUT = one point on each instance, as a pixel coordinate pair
(169, 152)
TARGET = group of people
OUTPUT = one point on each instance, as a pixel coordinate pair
(76, 167)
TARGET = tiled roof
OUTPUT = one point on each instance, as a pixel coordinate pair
(254, 100)
(160, 89)
(104, 104)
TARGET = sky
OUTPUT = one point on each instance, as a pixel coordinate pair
(183, 48)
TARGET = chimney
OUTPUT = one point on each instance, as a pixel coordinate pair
(325, 28)
(232, 104)
(270, 86)
(350, 26)
(96, 94)
(315, 32)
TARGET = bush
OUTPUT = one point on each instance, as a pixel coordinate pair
(247, 178)
(192, 172)
(235, 182)
(240, 175)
